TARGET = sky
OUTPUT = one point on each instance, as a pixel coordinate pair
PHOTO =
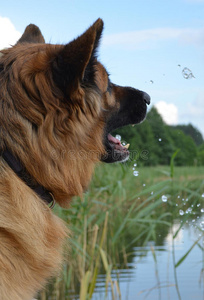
(154, 45)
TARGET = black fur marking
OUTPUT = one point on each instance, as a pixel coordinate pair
(1, 67)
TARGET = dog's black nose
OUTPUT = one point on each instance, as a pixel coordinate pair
(146, 98)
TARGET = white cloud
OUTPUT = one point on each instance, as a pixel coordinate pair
(193, 37)
(147, 38)
(8, 34)
(168, 111)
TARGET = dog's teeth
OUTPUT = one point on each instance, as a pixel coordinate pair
(127, 146)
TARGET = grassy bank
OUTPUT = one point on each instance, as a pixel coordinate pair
(120, 211)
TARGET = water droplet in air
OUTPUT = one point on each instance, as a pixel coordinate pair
(164, 198)
(136, 173)
(181, 212)
(202, 195)
(144, 184)
(202, 210)
(135, 165)
(202, 225)
(189, 210)
(118, 137)
(160, 140)
(187, 73)
(198, 204)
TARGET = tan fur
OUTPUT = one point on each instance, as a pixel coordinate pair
(60, 155)
(56, 105)
(61, 133)
(31, 239)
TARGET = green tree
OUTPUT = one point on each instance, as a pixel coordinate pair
(148, 145)
(163, 144)
(141, 140)
(201, 155)
(153, 142)
(191, 131)
(188, 151)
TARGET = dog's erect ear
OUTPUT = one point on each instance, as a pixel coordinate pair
(71, 62)
(32, 34)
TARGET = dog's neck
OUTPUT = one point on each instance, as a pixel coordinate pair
(20, 171)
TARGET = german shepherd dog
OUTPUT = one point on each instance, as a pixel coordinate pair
(57, 110)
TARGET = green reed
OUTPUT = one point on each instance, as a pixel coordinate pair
(119, 211)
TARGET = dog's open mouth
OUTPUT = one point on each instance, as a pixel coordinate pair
(133, 109)
(116, 144)
(115, 150)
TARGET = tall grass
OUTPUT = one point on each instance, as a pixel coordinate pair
(120, 211)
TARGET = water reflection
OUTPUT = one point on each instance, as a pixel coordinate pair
(151, 273)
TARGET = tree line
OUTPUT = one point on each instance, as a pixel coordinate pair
(156, 142)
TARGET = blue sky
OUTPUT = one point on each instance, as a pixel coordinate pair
(145, 44)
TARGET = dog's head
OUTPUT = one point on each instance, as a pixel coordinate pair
(58, 108)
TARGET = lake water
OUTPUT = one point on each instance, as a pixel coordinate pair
(151, 273)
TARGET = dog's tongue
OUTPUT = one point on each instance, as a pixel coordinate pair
(117, 143)
(113, 139)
